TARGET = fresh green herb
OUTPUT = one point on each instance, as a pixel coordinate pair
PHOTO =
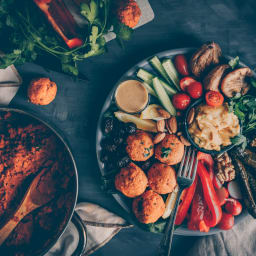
(245, 109)
(157, 227)
(30, 36)
(253, 82)
(233, 63)
(240, 140)
(148, 151)
(165, 152)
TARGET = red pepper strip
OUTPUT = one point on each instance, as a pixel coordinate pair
(207, 161)
(196, 219)
(214, 213)
(185, 203)
(73, 43)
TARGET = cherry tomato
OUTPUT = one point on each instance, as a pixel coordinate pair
(222, 194)
(214, 99)
(181, 101)
(233, 206)
(195, 90)
(185, 82)
(227, 221)
(181, 65)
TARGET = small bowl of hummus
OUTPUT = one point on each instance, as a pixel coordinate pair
(131, 96)
(212, 128)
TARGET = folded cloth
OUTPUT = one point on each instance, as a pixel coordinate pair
(101, 226)
(10, 81)
(240, 240)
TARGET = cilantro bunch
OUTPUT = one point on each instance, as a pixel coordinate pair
(26, 35)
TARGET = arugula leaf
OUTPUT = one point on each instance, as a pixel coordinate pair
(253, 82)
(240, 140)
(234, 62)
(239, 113)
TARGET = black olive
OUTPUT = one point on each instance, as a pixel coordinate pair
(146, 165)
(109, 146)
(123, 162)
(108, 125)
(104, 156)
(118, 140)
(130, 128)
(109, 166)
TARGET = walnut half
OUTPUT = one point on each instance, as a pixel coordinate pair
(225, 169)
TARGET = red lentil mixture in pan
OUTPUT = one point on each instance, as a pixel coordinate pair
(26, 148)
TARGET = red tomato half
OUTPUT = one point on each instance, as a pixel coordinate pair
(195, 90)
(181, 101)
(233, 206)
(181, 65)
(185, 82)
(227, 221)
(214, 99)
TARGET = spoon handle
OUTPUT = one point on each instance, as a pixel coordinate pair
(23, 210)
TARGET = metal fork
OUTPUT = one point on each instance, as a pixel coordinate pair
(185, 178)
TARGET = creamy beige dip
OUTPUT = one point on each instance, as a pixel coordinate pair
(213, 127)
(131, 96)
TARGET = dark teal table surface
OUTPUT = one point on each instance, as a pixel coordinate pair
(177, 23)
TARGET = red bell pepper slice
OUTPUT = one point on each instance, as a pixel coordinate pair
(198, 209)
(185, 203)
(75, 42)
(214, 212)
(207, 161)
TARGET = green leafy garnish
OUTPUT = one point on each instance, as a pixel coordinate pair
(148, 151)
(233, 63)
(165, 152)
(253, 82)
(240, 140)
(90, 11)
(30, 35)
(245, 109)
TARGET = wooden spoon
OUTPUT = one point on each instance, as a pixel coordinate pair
(33, 199)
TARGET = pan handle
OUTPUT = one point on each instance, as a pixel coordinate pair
(77, 221)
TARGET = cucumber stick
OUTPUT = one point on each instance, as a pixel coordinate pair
(147, 77)
(163, 96)
(171, 72)
(149, 89)
(157, 65)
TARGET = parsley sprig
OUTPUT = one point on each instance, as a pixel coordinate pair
(165, 152)
(30, 35)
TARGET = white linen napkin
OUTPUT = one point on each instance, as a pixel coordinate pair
(101, 226)
(240, 240)
(10, 82)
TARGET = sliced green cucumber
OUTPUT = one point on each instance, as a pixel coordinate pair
(149, 89)
(157, 65)
(171, 72)
(147, 77)
(163, 96)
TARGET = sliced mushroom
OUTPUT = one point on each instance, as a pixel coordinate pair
(207, 55)
(212, 80)
(236, 82)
